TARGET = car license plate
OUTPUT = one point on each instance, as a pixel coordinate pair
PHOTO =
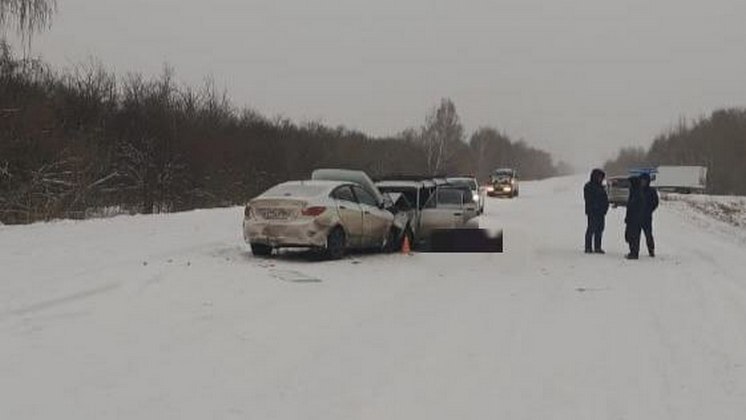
(275, 214)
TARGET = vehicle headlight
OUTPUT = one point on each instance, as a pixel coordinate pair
(490, 188)
(506, 189)
(476, 197)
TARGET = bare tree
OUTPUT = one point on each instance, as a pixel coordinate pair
(26, 16)
(442, 136)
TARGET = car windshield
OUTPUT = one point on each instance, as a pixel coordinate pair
(295, 190)
(450, 196)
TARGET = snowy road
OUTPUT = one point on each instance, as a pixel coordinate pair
(169, 317)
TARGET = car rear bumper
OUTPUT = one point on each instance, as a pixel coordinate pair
(286, 234)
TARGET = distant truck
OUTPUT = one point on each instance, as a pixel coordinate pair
(681, 179)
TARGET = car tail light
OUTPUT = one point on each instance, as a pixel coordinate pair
(313, 211)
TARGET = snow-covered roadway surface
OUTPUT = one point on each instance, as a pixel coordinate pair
(169, 317)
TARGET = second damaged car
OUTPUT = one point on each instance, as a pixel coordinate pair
(333, 216)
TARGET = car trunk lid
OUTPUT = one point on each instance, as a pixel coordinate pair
(277, 208)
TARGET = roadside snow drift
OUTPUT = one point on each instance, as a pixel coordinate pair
(728, 209)
(170, 317)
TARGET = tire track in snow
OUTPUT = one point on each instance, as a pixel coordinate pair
(65, 300)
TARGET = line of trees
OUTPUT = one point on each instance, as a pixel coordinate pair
(80, 141)
(717, 142)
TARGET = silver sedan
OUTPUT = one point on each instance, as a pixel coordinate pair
(331, 215)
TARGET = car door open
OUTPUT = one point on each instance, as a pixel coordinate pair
(471, 207)
(443, 210)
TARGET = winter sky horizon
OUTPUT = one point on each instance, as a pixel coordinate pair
(579, 78)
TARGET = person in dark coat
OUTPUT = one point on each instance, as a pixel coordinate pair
(634, 217)
(650, 196)
(596, 207)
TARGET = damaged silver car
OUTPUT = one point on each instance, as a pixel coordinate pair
(437, 204)
(326, 214)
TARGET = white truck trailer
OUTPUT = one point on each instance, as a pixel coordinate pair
(681, 179)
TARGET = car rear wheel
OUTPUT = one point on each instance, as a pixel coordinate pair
(335, 244)
(261, 250)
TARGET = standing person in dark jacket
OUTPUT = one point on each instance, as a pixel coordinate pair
(596, 206)
(634, 217)
(650, 204)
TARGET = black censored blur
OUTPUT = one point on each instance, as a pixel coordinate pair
(466, 240)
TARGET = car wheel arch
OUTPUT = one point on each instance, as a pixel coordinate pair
(336, 252)
(341, 227)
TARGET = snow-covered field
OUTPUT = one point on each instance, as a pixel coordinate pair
(155, 317)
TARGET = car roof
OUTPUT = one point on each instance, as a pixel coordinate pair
(454, 187)
(404, 183)
(317, 183)
(352, 176)
(325, 186)
(404, 177)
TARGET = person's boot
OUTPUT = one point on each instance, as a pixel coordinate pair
(631, 256)
(651, 252)
(599, 251)
(588, 251)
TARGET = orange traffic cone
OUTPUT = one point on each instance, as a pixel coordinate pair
(406, 248)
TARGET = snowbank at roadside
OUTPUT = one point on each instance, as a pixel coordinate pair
(728, 209)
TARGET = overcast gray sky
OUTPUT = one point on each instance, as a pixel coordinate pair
(579, 78)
